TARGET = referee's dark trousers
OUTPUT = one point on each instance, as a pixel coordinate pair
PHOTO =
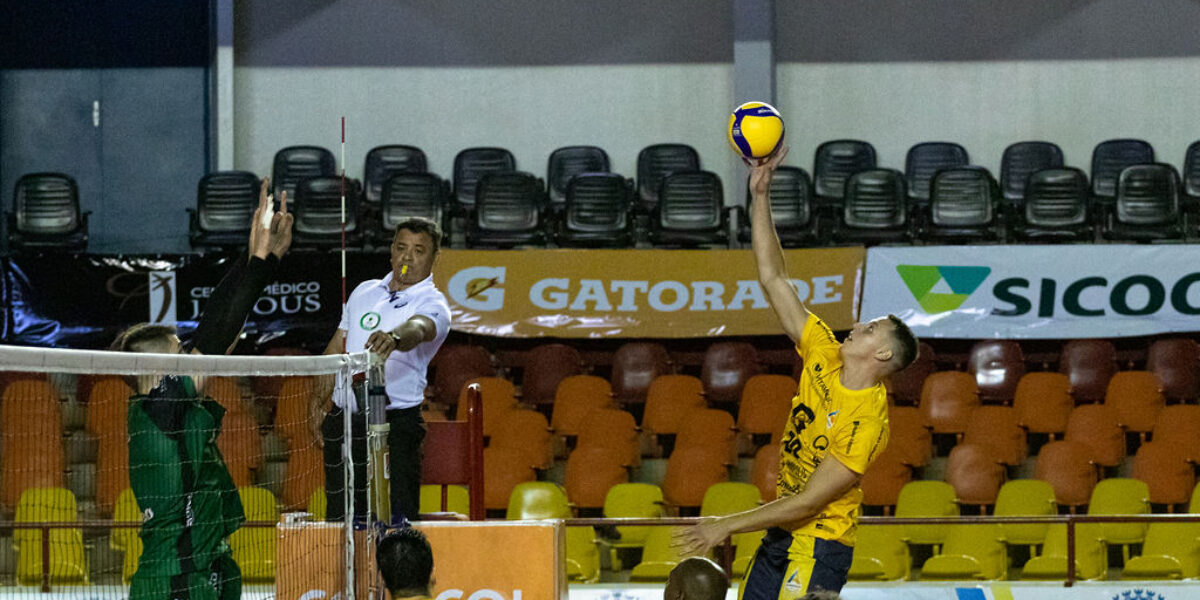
(406, 432)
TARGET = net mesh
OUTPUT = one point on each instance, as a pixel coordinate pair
(154, 459)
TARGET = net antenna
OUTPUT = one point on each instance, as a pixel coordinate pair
(347, 412)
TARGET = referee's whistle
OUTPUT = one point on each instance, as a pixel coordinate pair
(403, 270)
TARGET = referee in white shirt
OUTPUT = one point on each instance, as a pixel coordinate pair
(405, 318)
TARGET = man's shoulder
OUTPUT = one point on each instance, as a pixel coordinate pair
(363, 288)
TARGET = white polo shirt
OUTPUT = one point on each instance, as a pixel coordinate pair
(373, 307)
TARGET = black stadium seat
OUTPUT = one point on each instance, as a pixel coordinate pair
(1111, 157)
(406, 195)
(569, 161)
(1147, 206)
(792, 209)
(225, 204)
(295, 163)
(1056, 207)
(875, 210)
(924, 160)
(963, 206)
(597, 212)
(317, 208)
(384, 161)
(46, 214)
(1021, 160)
(656, 162)
(470, 165)
(833, 164)
(690, 211)
(509, 211)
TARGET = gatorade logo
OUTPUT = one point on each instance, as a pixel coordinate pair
(940, 289)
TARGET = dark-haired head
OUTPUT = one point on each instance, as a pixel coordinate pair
(405, 561)
(906, 344)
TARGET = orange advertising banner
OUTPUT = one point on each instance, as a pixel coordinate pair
(638, 293)
(514, 560)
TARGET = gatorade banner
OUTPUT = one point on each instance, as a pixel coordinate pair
(1090, 291)
(637, 293)
(498, 560)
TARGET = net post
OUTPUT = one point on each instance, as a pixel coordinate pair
(475, 451)
(348, 477)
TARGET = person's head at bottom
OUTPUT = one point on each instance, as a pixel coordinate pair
(406, 563)
(821, 595)
(696, 578)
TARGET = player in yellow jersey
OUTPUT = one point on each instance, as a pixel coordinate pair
(837, 426)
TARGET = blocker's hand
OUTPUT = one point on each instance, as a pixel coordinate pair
(381, 343)
(761, 170)
(260, 228)
(699, 538)
(281, 228)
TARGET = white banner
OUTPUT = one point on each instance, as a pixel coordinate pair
(1087, 291)
(919, 590)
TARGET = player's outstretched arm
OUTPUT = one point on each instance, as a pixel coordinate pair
(768, 253)
(829, 482)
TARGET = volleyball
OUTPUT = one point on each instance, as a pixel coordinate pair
(755, 130)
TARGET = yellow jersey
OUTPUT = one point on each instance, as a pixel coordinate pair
(830, 420)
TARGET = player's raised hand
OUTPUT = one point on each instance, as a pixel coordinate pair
(760, 171)
(281, 228)
(260, 225)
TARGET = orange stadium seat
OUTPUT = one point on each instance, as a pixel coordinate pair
(765, 471)
(455, 365)
(1043, 403)
(611, 428)
(106, 404)
(1067, 466)
(499, 397)
(976, 474)
(997, 366)
(726, 368)
(996, 428)
(1166, 470)
(1176, 362)
(905, 386)
(545, 366)
(669, 400)
(947, 401)
(31, 448)
(1179, 425)
(1136, 396)
(1096, 427)
(591, 473)
(766, 403)
(503, 469)
(305, 473)
(635, 366)
(292, 409)
(225, 390)
(709, 428)
(526, 431)
(241, 446)
(690, 472)
(575, 397)
(112, 469)
(884, 479)
(1088, 364)
(909, 438)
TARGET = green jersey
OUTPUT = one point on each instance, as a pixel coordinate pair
(188, 500)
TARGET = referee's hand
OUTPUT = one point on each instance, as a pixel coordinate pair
(381, 343)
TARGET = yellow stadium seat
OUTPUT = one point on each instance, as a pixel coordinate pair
(926, 499)
(1091, 555)
(1171, 551)
(254, 547)
(538, 500)
(317, 504)
(126, 539)
(1194, 504)
(634, 501)
(129, 564)
(880, 554)
(583, 558)
(744, 547)
(658, 557)
(970, 552)
(1121, 496)
(729, 497)
(458, 499)
(67, 562)
(1025, 498)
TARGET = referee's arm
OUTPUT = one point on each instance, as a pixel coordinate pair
(768, 254)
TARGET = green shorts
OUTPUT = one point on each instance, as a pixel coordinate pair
(223, 581)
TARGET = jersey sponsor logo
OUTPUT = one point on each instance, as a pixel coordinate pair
(370, 321)
(147, 514)
(820, 444)
(829, 419)
(484, 594)
(853, 434)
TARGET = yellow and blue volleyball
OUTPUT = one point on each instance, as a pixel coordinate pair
(755, 130)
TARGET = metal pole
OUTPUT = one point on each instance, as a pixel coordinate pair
(377, 439)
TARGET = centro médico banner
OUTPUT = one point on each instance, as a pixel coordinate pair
(1087, 291)
(637, 293)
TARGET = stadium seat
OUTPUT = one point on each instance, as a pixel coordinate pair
(997, 366)
(67, 563)
(384, 162)
(317, 208)
(726, 369)
(292, 410)
(884, 479)
(975, 473)
(1025, 498)
(499, 397)
(908, 437)
(1043, 403)
(690, 212)
(1191, 171)
(126, 539)
(1091, 556)
(458, 500)
(31, 449)
(875, 209)
(947, 399)
(963, 207)
(294, 164)
(225, 391)
(1089, 364)
(1021, 160)
(632, 501)
(765, 470)
(745, 545)
(503, 469)
(1120, 496)
(305, 473)
(880, 554)
(591, 472)
(709, 428)
(583, 557)
(254, 547)
(545, 366)
(470, 165)
(1135, 397)
(1165, 470)
(1147, 205)
(997, 428)
(1067, 466)
(596, 213)
(456, 364)
(659, 556)
(656, 162)
(690, 472)
(46, 215)
(575, 397)
(1171, 551)
(106, 420)
(970, 552)
(1176, 363)
(318, 504)
(611, 428)
(765, 406)
(567, 162)
(1097, 428)
(729, 497)
(926, 499)
(406, 195)
(509, 211)
(635, 366)
(1179, 425)
(225, 204)
(241, 446)
(905, 386)
(834, 162)
(924, 160)
(1055, 207)
(537, 500)
(526, 431)
(1111, 157)
(669, 399)
(792, 209)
